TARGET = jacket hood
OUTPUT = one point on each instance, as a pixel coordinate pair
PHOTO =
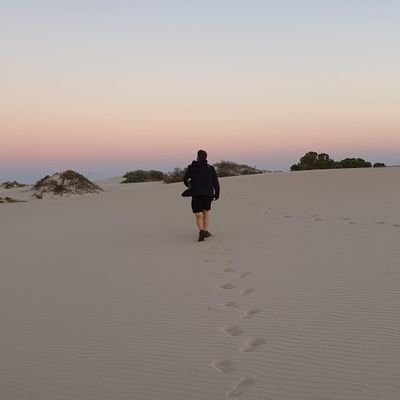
(197, 163)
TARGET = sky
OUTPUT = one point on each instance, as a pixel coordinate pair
(104, 87)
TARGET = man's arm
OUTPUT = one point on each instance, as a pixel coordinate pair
(187, 177)
(215, 184)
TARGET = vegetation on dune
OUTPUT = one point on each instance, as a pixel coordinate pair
(10, 200)
(67, 182)
(40, 182)
(223, 168)
(143, 176)
(354, 163)
(11, 185)
(230, 168)
(174, 176)
(313, 160)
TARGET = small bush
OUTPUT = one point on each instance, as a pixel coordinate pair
(355, 163)
(143, 176)
(10, 200)
(379, 165)
(230, 168)
(11, 185)
(156, 175)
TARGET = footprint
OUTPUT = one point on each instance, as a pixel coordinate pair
(223, 366)
(231, 330)
(250, 313)
(228, 269)
(227, 250)
(252, 344)
(344, 218)
(229, 262)
(286, 216)
(231, 304)
(380, 222)
(240, 386)
(246, 292)
(351, 222)
(396, 225)
(313, 215)
(318, 219)
(214, 309)
(227, 286)
(241, 276)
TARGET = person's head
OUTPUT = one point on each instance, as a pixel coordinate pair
(201, 155)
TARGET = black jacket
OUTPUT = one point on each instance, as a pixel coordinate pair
(202, 179)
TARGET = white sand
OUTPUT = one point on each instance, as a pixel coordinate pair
(296, 296)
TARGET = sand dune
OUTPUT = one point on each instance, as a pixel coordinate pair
(295, 296)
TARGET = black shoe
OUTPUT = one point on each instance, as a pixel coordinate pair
(207, 234)
(202, 235)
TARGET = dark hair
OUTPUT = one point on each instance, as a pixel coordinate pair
(202, 155)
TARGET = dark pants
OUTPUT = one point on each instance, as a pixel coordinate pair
(201, 203)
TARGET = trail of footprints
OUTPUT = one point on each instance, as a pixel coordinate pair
(270, 212)
(347, 220)
(233, 330)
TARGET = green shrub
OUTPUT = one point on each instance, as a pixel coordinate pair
(379, 165)
(230, 168)
(10, 200)
(313, 160)
(355, 163)
(143, 176)
(156, 175)
(295, 167)
(11, 185)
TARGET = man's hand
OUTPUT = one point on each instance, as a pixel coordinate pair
(216, 198)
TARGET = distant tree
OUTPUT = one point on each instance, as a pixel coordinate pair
(309, 160)
(379, 165)
(312, 160)
(324, 161)
(336, 165)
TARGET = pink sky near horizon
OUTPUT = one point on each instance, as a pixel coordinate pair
(85, 118)
(251, 132)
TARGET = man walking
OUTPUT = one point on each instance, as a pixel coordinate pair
(202, 179)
